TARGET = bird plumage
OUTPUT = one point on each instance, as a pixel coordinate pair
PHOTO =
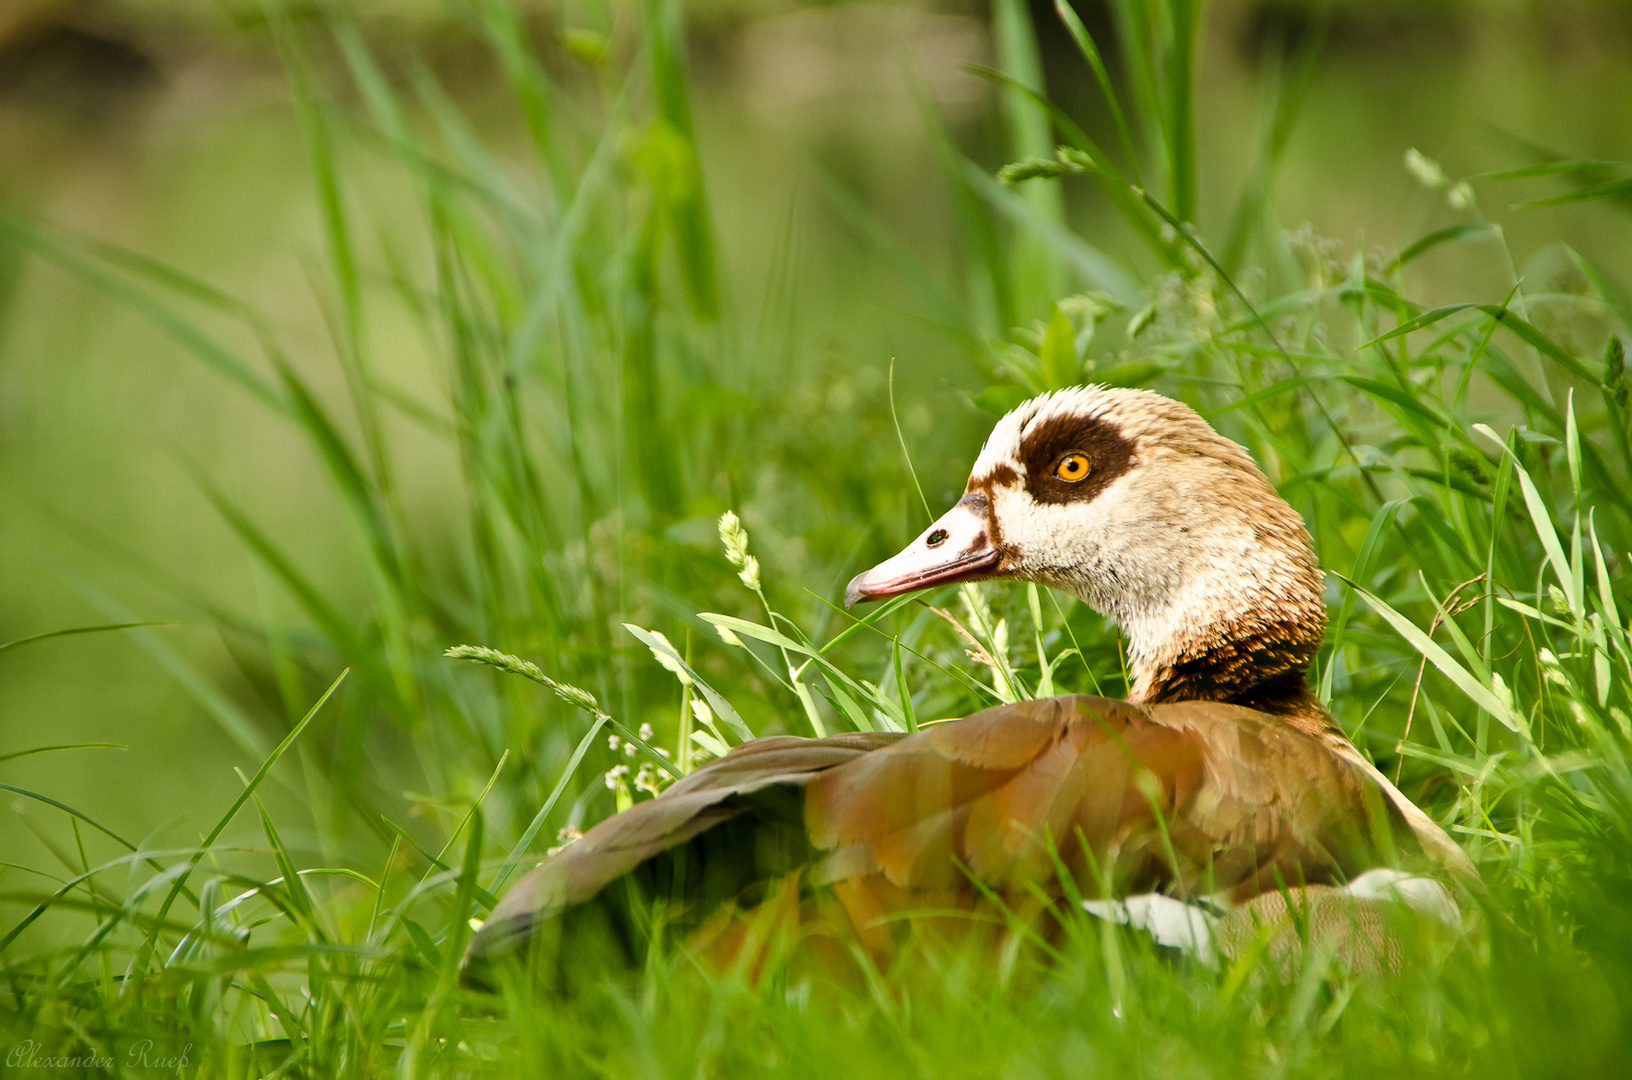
(1221, 781)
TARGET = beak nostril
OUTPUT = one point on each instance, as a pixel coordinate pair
(936, 538)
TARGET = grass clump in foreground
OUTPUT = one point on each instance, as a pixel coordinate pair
(1465, 476)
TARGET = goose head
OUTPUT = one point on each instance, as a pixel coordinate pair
(1131, 502)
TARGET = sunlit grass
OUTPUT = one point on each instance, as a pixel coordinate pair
(1465, 476)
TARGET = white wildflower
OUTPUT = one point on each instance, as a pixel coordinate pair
(564, 838)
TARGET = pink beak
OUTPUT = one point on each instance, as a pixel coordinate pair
(956, 548)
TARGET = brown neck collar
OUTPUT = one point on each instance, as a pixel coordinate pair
(1256, 662)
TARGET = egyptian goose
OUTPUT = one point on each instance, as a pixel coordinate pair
(1220, 785)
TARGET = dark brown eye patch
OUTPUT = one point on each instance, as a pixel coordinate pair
(1073, 458)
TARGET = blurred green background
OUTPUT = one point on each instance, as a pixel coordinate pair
(333, 335)
(167, 127)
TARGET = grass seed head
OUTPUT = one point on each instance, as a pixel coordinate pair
(735, 539)
(666, 657)
(1615, 381)
(515, 665)
(1426, 170)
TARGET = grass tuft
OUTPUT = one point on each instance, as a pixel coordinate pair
(1463, 467)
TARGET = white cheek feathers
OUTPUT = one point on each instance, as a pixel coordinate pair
(1130, 501)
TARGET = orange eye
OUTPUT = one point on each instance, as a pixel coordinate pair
(1072, 467)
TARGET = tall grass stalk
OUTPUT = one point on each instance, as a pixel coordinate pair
(1464, 474)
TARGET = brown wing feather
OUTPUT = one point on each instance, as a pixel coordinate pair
(710, 796)
(1193, 797)
(1190, 798)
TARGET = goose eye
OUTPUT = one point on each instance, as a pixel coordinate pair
(1072, 467)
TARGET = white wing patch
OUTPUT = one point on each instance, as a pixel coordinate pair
(1170, 922)
(1418, 893)
(1180, 925)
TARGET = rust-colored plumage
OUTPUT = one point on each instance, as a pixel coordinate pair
(985, 814)
(1222, 780)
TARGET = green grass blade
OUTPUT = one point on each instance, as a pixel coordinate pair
(221, 824)
(222, 709)
(1099, 269)
(1407, 402)
(1037, 271)
(688, 206)
(1181, 123)
(1090, 52)
(1422, 643)
(722, 708)
(1451, 234)
(1617, 190)
(15, 754)
(1363, 563)
(517, 852)
(1542, 521)
(182, 331)
(333, 624)
(71, 812)
(909, 713)
(75, 630)
(299, 898)
(1141, 53)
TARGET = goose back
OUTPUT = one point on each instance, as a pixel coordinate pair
(1095, 796)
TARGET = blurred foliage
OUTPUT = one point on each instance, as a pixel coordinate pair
(557, 300)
